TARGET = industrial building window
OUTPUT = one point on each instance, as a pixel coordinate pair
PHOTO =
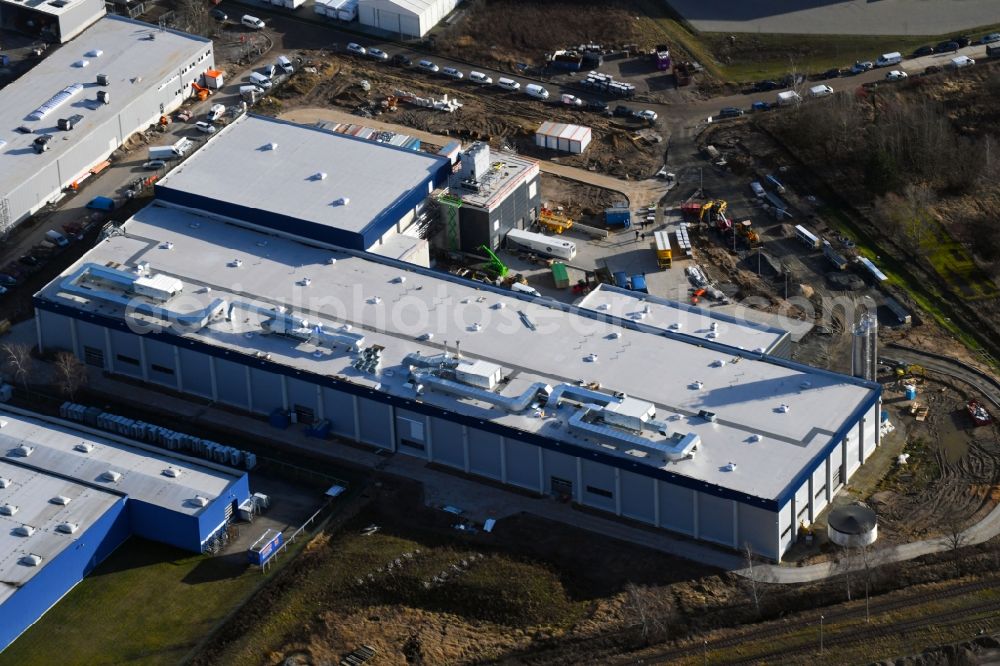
(561, 486)
(304, 414)
(600, 491)
(93, 356)
(127, 359)
(412, 444)
(162, 368)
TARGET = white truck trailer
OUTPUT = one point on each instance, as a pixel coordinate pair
(550, 246)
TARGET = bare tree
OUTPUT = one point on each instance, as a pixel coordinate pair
(957, 540)
(847, 564)
(16, 358)
(756, 576)
(194, 16)
(651, 610)
(71, 374)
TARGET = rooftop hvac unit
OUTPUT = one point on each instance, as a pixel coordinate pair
(104, 97)
(103, 80)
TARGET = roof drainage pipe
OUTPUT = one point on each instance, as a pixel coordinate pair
(513, 404)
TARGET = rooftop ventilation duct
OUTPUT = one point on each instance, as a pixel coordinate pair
(67, 528)
(111, 476)
(8, 509)
(31, 560)
(61, 500)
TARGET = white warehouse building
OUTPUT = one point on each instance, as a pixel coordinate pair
(83, 101)
(406, 18)
(669, 428)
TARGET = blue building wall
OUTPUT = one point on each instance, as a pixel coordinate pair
(213, 515)
(58, 576)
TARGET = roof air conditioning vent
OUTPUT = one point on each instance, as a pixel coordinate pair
(103, 80)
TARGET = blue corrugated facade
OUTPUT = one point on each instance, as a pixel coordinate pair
(58, 577)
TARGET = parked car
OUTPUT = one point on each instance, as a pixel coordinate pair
(962, 41)
(401, 60)
(216, 112)
(356, 49)
(729, 112)
(895, 75)
(923, 51)
(480, 78)
(29, 260)
(378, 54)
(252, 22)
(218, 14)
(830, 74)
(760, 106)
(154, 164)
(622, 111)
(765, 86)
(7, 280)
(990, 38)
(647, 115)
(598, 105)
(946, 47)
(862, 66)
(571, 100)
(207, 128)
(452, 73)
(428, 66)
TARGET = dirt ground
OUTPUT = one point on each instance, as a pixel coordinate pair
(585, 203)
(500, 118)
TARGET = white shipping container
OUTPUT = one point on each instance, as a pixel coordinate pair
(551, 246)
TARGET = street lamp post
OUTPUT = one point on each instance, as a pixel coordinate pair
(821, 634)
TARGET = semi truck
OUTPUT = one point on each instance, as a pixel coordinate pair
(560, 248)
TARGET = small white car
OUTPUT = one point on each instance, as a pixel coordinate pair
(480, 78)
(202, 126)
(252, 22)
(571, 100)
(428, 66)
(647, 115)
(377, 54)
(216, 112)
(154, 164)
(895, 75)
(452, 73)
(356, 49)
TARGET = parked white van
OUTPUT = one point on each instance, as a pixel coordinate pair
(508, 84)
(821, 90)
(536, 91)
(887, 59)
(962, 61)
(252, 22)
(260, 80)
(479, 77)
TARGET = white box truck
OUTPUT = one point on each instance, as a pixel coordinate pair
(550, 246)
(163, 153)
(887, 59)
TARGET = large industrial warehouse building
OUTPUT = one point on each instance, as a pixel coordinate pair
(404, 18)
(113, 80)
(52, 20)
(313, 184)
(70, 495)
(677, 430)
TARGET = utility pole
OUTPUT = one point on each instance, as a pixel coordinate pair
(705, 651)
(821, 634)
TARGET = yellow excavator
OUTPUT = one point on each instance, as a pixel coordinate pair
(720, 209)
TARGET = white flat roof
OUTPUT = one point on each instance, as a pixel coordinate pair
(133, 63)
(141, 468)
(683, 319)
(44, 6)
(32, 492)
(395, 305)
(235, 166)
(511, 170)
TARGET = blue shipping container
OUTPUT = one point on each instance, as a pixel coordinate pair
(618, 217)
(639, 283)
(621, 279)
(265, 547)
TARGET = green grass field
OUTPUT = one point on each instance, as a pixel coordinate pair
(146, 604)
(955, 265)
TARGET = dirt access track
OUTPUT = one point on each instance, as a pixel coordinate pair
(838, 17)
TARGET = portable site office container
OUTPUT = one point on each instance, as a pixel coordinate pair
(561, 136)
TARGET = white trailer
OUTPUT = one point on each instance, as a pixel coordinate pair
(551, 246)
